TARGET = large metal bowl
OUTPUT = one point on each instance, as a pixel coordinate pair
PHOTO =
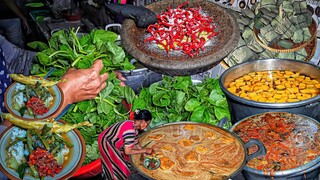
(241, 108)
(179, 64)
(309, 170)
(229, 157)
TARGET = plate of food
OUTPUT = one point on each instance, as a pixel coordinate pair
(32, 97)
(41, 149)
(151, 163)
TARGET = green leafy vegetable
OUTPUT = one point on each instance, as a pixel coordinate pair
(178, 99)
(22, 169)
(65, 50)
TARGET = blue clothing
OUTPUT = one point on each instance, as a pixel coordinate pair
(18, 61)
(12, 30)
(5, 80)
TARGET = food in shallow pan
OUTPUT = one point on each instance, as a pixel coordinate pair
(291, 140)
(275, 86)
(192, 151)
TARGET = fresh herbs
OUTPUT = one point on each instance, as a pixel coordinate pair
(178, 99)
(66, 50)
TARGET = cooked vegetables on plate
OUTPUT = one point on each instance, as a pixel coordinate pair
(33, 96)
(151, 163)
(40, 151)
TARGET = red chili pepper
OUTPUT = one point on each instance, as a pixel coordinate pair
(37, 105)
(44, 162)
(181, 29)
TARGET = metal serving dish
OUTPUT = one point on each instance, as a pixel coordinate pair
(197, 151)
(241, 108)
(305, 128)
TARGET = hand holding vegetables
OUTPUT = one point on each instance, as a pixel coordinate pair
(82, 84)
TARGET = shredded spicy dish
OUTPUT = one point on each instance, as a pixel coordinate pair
(290, 140)
(37, 105)
(186, 30)
(44, 162)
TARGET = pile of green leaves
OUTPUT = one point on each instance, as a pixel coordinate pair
(65, 50)
(177, 99)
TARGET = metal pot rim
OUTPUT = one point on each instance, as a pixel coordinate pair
(296, 170)
(236, 172)
(262, 104)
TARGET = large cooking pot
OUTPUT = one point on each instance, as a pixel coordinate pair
(191, 150)
(241, 108)
(304, 130)
(140, 77)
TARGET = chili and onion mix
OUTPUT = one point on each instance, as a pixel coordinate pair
(291, 140)
(275, 86)
(187, 30)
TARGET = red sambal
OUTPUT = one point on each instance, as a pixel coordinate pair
(291, 140)
(44, 162)
(37, 105)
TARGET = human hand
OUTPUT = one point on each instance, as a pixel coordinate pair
(26, 26)
(119, 76)
(149, 150)
(83, 84)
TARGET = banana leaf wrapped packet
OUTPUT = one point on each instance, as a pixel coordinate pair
(240, 54)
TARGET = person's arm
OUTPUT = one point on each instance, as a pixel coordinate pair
(82, 84)
(14, 7)
(131, 150)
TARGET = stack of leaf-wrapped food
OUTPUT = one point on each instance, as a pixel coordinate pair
(274, 29)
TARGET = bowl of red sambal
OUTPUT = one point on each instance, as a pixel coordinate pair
(292, 142)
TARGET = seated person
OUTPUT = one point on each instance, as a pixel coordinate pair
(11, 18)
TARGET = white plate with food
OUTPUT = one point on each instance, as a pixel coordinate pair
(32, 100)
(26, 150)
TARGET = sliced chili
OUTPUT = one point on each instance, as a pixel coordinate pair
(44, 162)
(182, 29)
(37, 105)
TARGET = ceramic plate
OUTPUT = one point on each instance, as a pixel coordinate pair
(9, 101)
(151, 163)
(77, 156)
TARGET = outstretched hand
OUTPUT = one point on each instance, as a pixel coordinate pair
(149, 150)
(83, 84)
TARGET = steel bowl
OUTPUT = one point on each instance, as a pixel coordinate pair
(309, 170)
(241, 108)
(174, 132)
